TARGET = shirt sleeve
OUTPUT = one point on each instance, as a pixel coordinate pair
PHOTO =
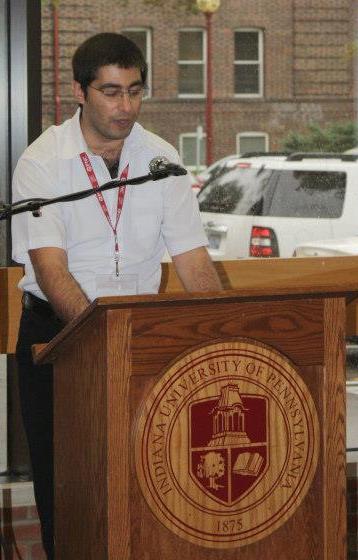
(32, 180)
(182, 227)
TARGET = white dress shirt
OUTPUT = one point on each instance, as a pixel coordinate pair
(155, 215)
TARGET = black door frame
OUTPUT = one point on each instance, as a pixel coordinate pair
(20, 93)
(20, 124)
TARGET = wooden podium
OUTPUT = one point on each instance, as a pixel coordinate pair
(205, 426)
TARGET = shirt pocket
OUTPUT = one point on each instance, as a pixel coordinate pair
(85, 221)
(145, 221)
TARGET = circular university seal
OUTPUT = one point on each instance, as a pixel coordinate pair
(227, 444)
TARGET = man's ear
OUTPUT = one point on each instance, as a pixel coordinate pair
(78, 92)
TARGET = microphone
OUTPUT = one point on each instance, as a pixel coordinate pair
(160, 168)
(160, 165)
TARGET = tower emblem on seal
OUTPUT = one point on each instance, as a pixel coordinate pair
(227, 444)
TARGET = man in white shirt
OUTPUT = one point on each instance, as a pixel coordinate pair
(110, 245)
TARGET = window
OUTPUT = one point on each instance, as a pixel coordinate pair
(191, 63)
(252, 142)
(142, 38)
(248, 65)
(192, 149)
(305, 194)
(267, 192)
(235, 191)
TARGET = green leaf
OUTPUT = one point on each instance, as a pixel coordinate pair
(335, 137)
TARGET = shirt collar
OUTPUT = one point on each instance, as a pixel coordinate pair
(76, 144)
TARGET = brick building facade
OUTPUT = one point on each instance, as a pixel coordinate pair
(304, 65)
(307, 77)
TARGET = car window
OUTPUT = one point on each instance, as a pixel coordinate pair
(217, 170)
(304, 194)
(235, 191)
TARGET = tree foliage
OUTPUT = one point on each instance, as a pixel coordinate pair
(212, 467)
(336, 137)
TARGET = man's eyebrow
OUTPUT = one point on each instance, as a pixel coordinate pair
(114, 85)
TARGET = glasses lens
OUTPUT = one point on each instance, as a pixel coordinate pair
(114, 91)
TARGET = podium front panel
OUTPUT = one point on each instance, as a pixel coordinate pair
(204, 430)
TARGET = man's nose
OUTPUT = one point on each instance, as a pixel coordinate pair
(124, 101)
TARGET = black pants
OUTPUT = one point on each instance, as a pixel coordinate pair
(38, 325)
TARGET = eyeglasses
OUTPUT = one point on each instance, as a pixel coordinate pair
(116, 92)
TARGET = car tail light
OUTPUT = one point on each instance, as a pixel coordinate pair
(243, 165)
(263, 242)
(197, 185)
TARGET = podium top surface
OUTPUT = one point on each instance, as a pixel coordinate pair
(243, 280)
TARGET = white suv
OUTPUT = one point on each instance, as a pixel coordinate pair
(268, 205)
(340, 247)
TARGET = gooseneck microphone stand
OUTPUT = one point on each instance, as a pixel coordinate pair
(34, 205)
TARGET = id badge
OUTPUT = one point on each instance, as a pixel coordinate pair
(112, 285)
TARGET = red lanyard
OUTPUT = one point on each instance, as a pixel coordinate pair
(121, 192)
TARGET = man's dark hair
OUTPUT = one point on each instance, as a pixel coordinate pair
(102, 50)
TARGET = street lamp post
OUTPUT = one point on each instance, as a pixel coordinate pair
(208, 7)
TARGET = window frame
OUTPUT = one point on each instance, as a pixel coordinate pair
(203, 63)
(194, 168)
(252, 134)
(147, 54)
(259, 62)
